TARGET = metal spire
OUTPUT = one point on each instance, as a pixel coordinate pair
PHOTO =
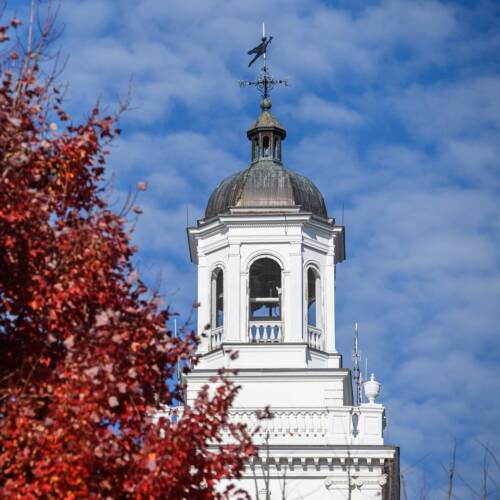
(265, 82)
(356, 356)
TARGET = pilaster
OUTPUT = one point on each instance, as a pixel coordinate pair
(232, 331)
(293, 290)
(204, 303)
(329, 299)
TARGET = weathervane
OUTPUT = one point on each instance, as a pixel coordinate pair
(265, 83)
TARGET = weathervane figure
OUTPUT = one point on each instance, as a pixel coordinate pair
(265, 83)
(260, 49)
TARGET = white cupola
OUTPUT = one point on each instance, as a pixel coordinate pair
(266, 252)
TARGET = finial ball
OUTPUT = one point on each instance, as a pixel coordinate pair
(266, 104)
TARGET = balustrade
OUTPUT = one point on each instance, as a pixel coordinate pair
(216, 337)
(314, 337)
(285, 423)
(336, 425)
(265, 331)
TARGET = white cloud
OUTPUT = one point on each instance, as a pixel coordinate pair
(450, 110)
(313, 109)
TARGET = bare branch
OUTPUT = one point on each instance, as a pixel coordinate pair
(451, 472)
(403, 484)
(470, 488)
(492, 455)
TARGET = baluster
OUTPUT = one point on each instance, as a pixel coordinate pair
(319, 423)
(315, 422)
(303, 416)
(308, 423)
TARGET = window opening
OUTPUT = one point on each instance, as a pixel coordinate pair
(265, 290)
(255, 151)
(312, 285)
(276, 148)
(265, 146)
(217, 298)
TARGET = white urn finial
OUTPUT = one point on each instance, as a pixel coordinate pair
(372, 389)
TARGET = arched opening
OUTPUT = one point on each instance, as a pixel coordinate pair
(266, 147)
(255, 149)
(217, 298)
(277, 152)
(312, 305)
(265, 301)
(265, 290)
(313, 308)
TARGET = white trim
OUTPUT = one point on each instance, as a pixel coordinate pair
(263, 253)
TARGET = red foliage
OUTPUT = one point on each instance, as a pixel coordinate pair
(84, 352)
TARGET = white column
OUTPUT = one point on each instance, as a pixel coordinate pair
(328, 296)
(243, 337)
(318, 297)
(232, 314)
(292, 314)
(204, 307)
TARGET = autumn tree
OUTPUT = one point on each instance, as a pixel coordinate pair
(85, 351)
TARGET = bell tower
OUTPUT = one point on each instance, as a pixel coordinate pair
(266, 253)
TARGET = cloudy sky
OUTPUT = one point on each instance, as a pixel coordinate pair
(393, 110)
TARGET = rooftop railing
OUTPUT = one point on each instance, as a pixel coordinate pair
(265, 331)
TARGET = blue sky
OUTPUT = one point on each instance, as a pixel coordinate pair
(393, 110)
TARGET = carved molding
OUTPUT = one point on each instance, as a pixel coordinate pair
(356, 481)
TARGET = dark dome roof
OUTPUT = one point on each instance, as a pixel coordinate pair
(266, 184)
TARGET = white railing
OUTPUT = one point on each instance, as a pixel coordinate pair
(336, 425)
(285, 423)
(314, 337)
(216, 337)
(265, 331)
